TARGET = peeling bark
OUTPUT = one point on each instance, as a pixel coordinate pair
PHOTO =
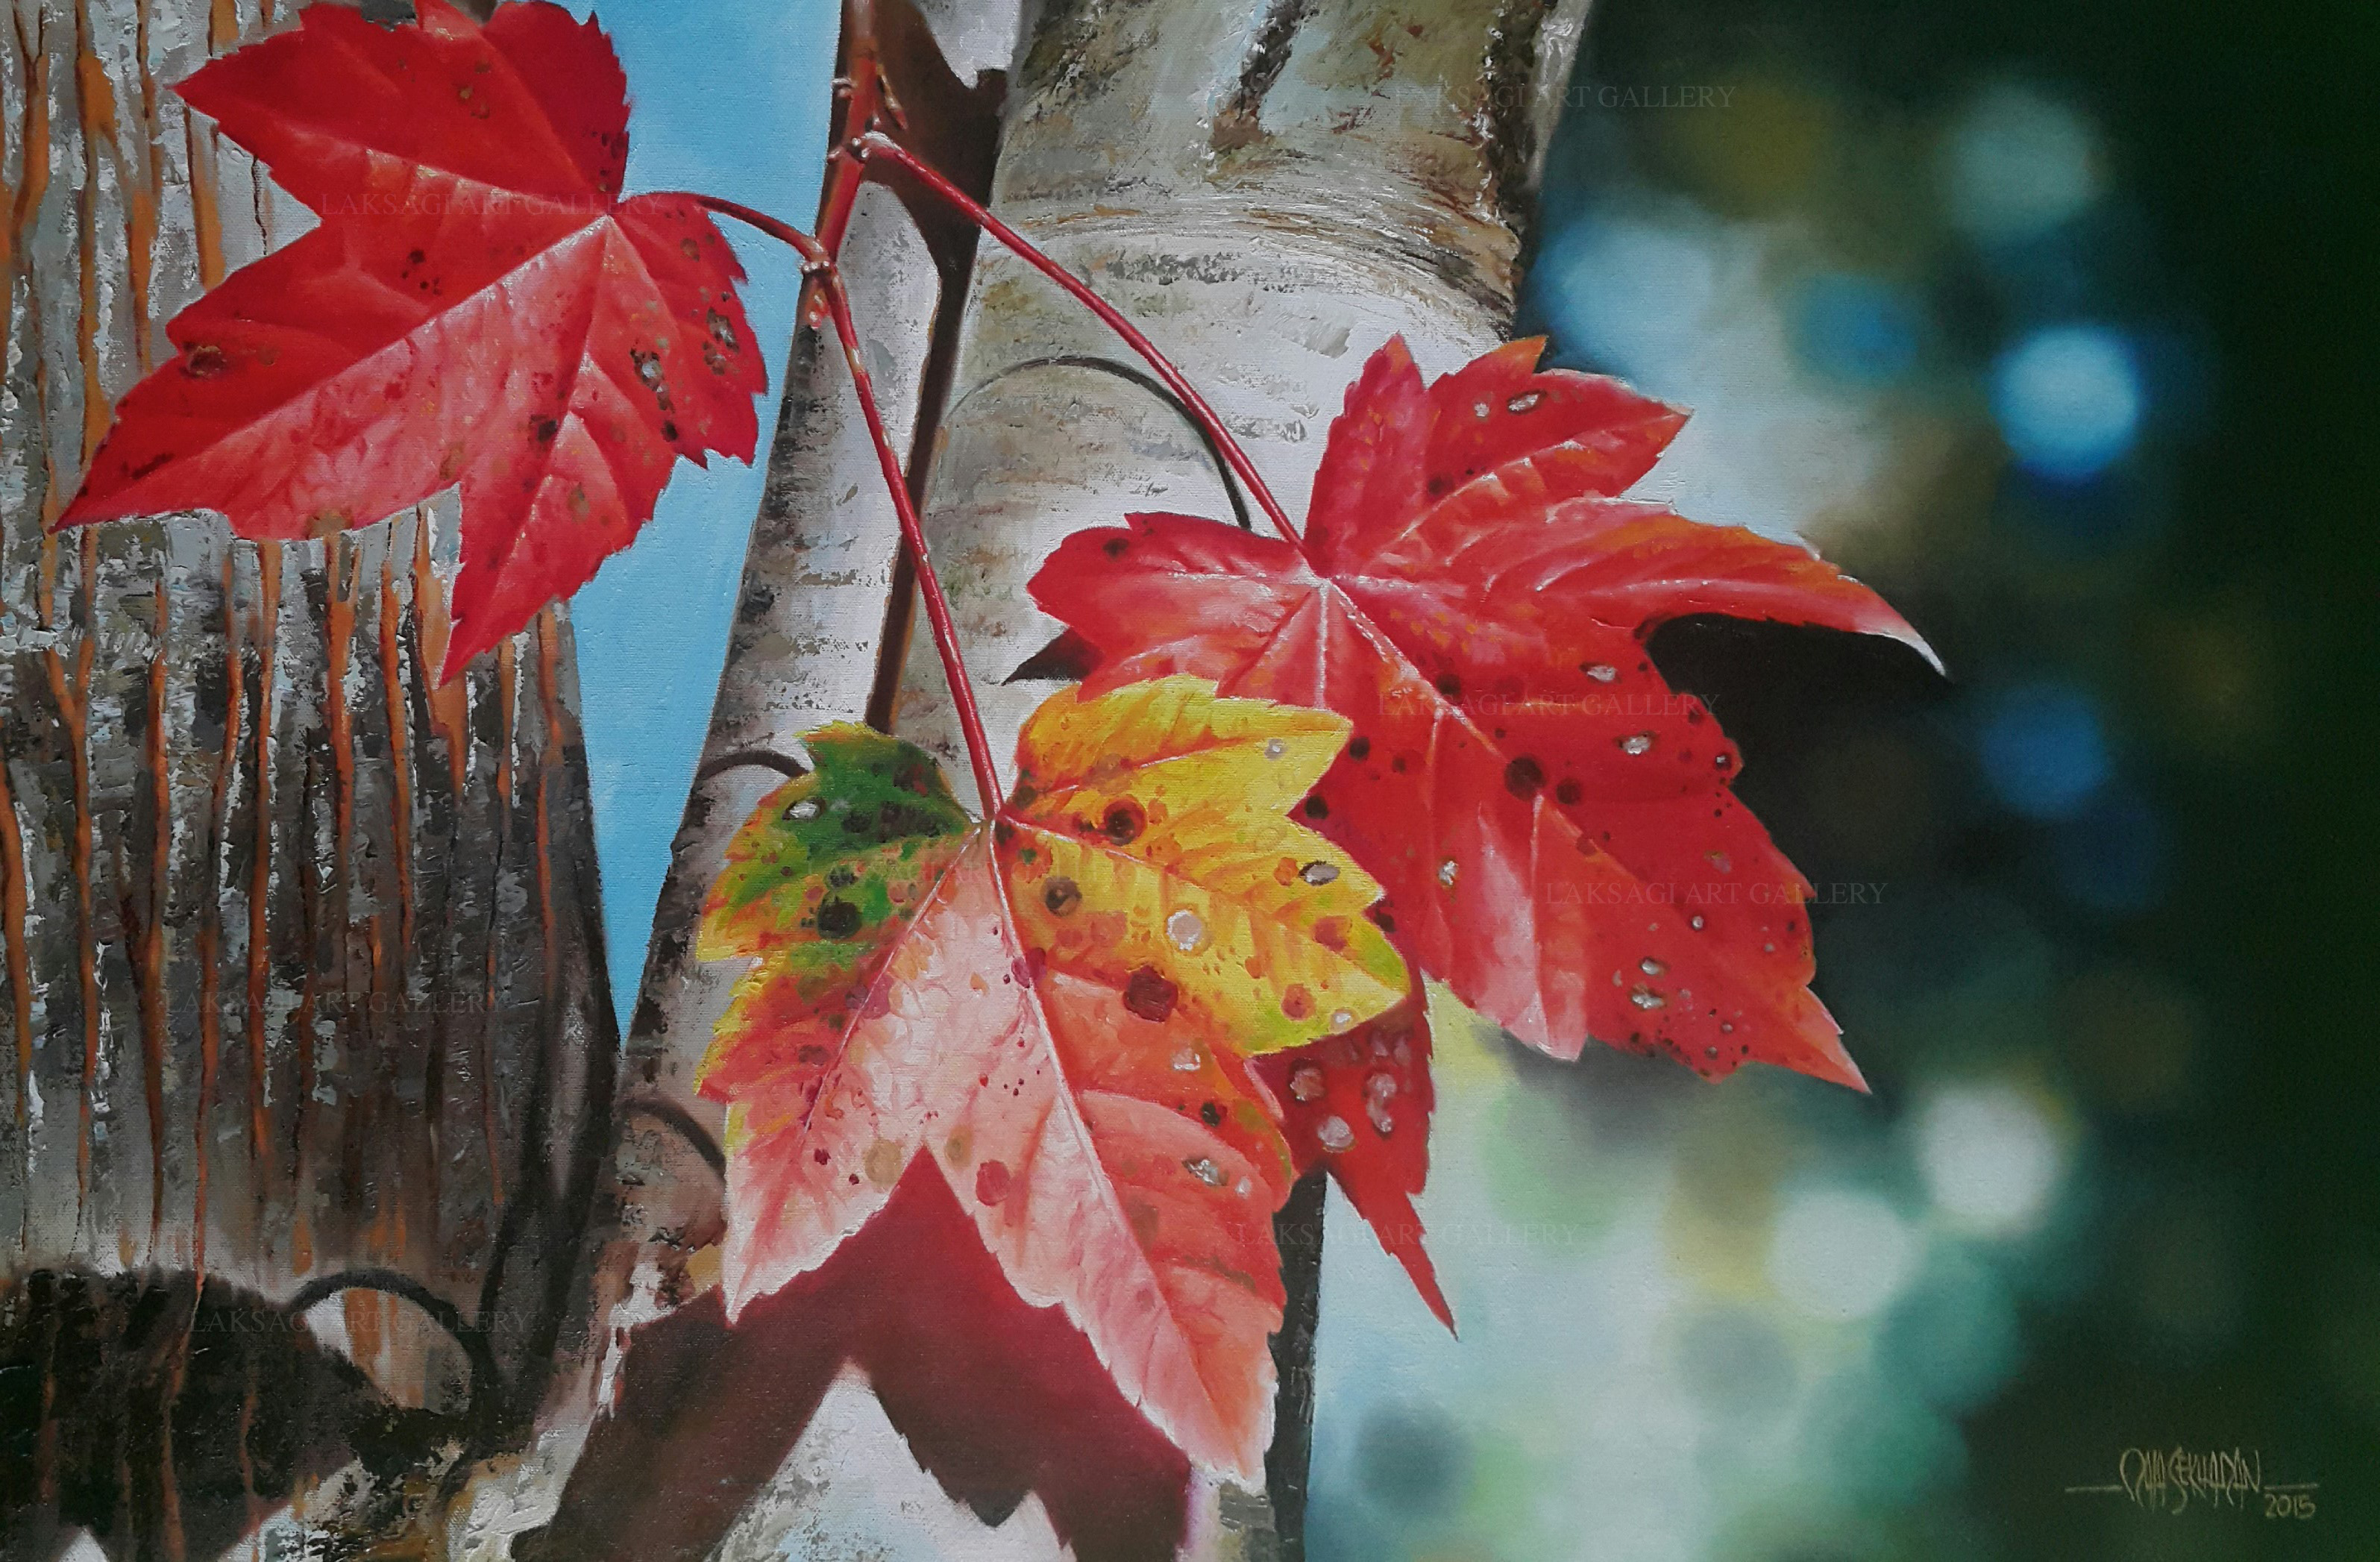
(279, 918)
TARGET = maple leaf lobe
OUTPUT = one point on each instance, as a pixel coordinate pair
(1359, 1105)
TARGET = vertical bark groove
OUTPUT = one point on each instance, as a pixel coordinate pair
(279, 961)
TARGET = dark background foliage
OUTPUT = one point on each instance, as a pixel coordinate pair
(2123, 852)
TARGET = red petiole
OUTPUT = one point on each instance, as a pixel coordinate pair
(866, 101)
(829, 283)
(875, 143)
(825, 294)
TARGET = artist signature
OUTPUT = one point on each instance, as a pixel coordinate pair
(2176, 1480)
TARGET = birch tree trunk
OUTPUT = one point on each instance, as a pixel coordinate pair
(305, 980)
(1271, 190)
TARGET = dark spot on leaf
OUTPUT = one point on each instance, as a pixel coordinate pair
(1114, 546)
(1211, 1112)
(1297, 1003)
(203, 361)
(1123, 823)
(1569, 793)
(1316, 809)
(1360, 749)
(837, 918)
(841, 876)
(1450, 686)
(1061, 896)
(669, 430)
(1150, 995)
(542, 430)
(1524, 777)
(722, 330)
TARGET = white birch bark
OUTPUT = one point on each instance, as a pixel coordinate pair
(1270, 192)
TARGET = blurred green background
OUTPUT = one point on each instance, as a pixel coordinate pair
(2052, 321)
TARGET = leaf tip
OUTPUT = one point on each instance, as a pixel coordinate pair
(1070, 658)
(1423, 1275)
(90, 504)
(1827, 1060)
(1909, 637)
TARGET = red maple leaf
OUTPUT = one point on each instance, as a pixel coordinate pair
(1553, 825)
(1359, 1105)
(1052, 1009)
(479, 305)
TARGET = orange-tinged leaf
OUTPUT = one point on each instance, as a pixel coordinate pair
(1149, 829)
(1553, 825)
(479, 305)
(1083, 1096)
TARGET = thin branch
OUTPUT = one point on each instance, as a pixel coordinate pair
(763, 759)
(487, 1379)
(1131, 376)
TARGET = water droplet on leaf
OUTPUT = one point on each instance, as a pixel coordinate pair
(1186, 931)
(1334, 1134)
